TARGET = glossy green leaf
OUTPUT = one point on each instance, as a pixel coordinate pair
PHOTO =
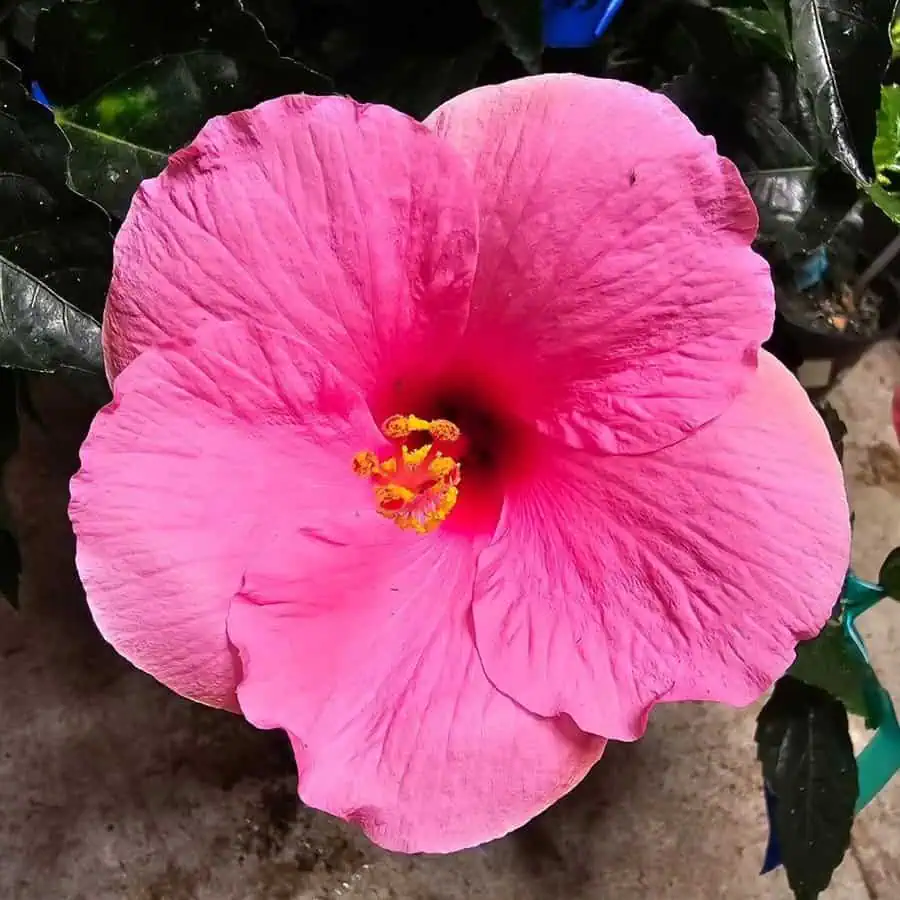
(803, 742)
(831, 662)
(41, 332)
(765, 26)
(889, 577)
(55, 234)
(521, 25)
(51, 240)
(129, 90)
(885, 190)
(765, 124)
(887, 201)
(886, 148)
(842, 48)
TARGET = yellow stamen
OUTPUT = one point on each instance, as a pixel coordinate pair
(412, 459)
(398, 427)
(392, 498)
(443, 430)
(416, 489)
(445, 467)
(365, 463)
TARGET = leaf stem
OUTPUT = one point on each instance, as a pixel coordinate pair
(876, 267)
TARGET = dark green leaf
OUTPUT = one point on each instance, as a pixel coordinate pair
(800, 195)
(889, 577)
(41, 332)
(767, 127)
(842, 48)
(82, 45)
(10, 567)
(283, 19)
(521, 24)
(764, 26)
(831, 662)
(411, 54)
(125, 132)
(803, 743)
(129, 90)
(53, 233)
(837, 429)
(18, 26)
(419, 83)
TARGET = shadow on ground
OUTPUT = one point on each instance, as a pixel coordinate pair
(111, 787)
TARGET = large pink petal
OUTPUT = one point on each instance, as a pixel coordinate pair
(350, 225)
(686, 574)
(205, 451)
(362, 648)
(615, 269)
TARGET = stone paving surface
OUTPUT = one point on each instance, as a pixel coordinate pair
(111, 787)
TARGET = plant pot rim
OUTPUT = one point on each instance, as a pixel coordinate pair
(887, 286)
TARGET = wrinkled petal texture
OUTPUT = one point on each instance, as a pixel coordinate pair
(216, 501)
(686, 574)
(615, 277)
(202, 454)
(350, 225)
(360, 644)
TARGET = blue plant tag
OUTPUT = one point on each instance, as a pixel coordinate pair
(39, 95)
(812, 271)
(577, 23)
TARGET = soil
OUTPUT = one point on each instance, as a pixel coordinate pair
(834, 311)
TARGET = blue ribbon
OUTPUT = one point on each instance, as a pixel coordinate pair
(577, 23)
(880, 759)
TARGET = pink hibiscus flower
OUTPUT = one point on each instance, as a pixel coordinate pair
(527, 333)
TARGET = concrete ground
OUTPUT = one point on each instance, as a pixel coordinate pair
(111, 787)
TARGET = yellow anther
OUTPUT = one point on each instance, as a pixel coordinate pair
(396, 428)
(416, 424)
(415, 458)
(365, 463)
(443, 430)
(446, 468)
(448, 501)
(416, 489)
(391, 498)
(399, 427)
